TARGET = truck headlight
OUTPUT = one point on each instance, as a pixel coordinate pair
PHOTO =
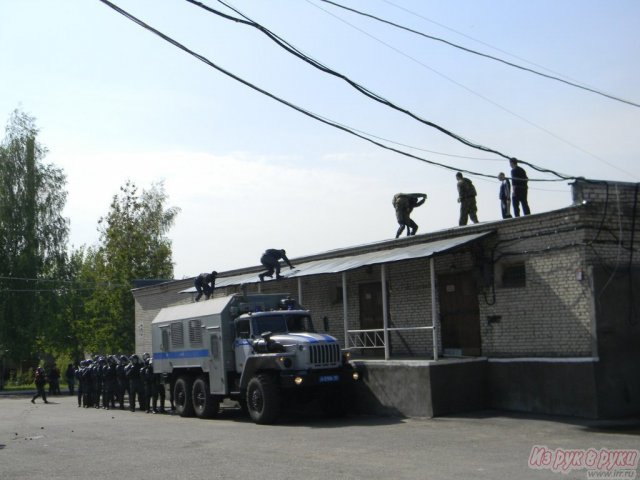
(355, 376)
(298, 380)
(286, 362)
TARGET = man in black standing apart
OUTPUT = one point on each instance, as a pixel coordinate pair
(519, 181)
(205, 283)
(271, 260)
(40, 379)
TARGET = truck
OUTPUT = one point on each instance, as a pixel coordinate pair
(259, 350)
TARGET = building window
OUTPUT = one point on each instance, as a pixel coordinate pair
(177, 335)
(514, 276)
(195, 332)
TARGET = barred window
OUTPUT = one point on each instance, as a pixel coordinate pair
(177, 335)
(195, 332)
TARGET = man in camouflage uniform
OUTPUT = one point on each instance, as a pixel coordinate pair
(467, 200)
(404, 203)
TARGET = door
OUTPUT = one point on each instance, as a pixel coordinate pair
(371, 317)
(216, 365)
(459, 314)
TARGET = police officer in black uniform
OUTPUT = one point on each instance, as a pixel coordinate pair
(135, 383)
(271, 260)
(122, 384)
(109, 383)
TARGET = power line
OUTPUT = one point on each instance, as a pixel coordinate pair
(535, 125)
(485, 55)
(368, 93)
(291, 49)
(304, 111)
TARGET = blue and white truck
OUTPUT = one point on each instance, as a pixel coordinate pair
(260, 350)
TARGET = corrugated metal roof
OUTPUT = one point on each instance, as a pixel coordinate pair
(342, 264)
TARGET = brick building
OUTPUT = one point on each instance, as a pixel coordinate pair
(537, 313)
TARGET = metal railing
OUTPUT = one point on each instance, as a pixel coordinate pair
(375, 338)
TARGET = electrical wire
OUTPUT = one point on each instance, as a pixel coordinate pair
(485, 55)
(293, 50)
(302, 110)
(486, 99)
(378, 98)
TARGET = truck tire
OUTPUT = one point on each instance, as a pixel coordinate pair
(182, 397)
(263, 399)
(205, 405)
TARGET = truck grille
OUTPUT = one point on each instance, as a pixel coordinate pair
(324, 355)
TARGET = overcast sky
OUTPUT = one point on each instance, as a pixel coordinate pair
(115, 103)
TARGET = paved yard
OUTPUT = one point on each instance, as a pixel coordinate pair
(61, 441)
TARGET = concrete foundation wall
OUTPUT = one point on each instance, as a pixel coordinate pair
(549, 387)
(420, 388)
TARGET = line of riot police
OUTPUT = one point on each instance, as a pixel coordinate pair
(104, 382)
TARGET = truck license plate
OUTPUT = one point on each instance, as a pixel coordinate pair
(328, 378)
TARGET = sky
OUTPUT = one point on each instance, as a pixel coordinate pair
(116, 103)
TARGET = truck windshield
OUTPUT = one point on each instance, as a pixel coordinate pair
(279, 323)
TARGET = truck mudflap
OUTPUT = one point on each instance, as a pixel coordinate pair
(318, 378)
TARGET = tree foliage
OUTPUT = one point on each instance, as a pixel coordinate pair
(133, 245)
(33, 236)
(57, 303)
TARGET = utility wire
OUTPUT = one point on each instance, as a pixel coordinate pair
(289, 104)
(542, 129)
(300, 109)
(485, 55)
(293, 50)
(462, 34)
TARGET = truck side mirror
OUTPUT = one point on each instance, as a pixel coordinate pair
(325, 323)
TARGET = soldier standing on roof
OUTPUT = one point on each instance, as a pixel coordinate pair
(467, 200)
(271, 260)
(205, 283)
(404, 203)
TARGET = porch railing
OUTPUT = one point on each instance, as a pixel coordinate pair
(375, 338)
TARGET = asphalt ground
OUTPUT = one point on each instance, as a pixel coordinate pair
(61, 441)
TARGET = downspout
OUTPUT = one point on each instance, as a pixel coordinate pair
(385, 316)
(434, 309)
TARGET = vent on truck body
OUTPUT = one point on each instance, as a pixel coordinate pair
(326, 355)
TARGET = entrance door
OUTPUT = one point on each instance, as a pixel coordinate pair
(459, 314)
(216, 364)
(371, 313)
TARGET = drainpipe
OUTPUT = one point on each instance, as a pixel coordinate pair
(385, 317)
(300, 290)
(434, 309)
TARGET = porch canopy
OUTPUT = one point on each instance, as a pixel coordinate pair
(375, 338)
(343, 264)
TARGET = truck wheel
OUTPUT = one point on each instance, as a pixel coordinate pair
(263, 399)
(182, 397)
(205, 405)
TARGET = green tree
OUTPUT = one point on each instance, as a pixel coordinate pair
(33, 235)
(133, 245)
